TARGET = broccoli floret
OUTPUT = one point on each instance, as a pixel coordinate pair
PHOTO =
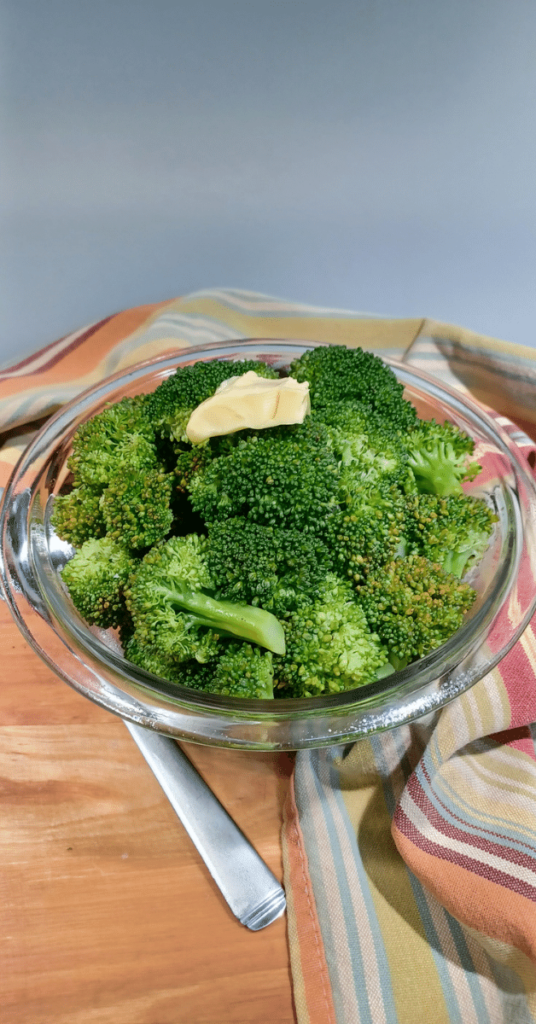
(368, 448)
(241, 670)
(171, 405)
(157, 623)
(152, 659)
(453, 531)
(184, 559)
(368, 532)
(77, 516)
(337, 374)
(438, 457)
(136, 507)
(189, 462)
(119, 436)
(330, 647)
(171, 609)
(431, 431)
(275, 568)
(280, 477)
(96, 578)
(414, 606)
(238, 670)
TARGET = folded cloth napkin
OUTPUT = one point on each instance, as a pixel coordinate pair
(410, 857)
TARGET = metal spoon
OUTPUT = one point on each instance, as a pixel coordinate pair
(246, 883)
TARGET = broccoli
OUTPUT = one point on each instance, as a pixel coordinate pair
(269, 566)
(437, 456)
(151, 658)
(366, 445)
(120, 487)
(190, 461)
(133, 506)
(338, 374)
(136, 507)
(96, 578)
(158, 624)
(414, 606)
(292, 561)
(121, 435)
(169, 407)
(236, 669)
(453, 531)
(170, 607)
(278, 477)
(368, 532)
(77, 516)
(241, 670)
(330, 647)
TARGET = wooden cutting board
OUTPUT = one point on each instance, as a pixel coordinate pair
(107, 913)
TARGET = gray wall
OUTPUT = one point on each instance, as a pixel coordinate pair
(371, 154)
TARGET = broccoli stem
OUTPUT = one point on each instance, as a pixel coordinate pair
(245, 621)
(455, 562)
(435, 472)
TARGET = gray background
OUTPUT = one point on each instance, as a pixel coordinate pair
(376, 155)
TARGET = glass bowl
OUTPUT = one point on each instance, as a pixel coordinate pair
(91, 660)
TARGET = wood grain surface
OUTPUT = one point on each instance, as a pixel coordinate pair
(107, 913)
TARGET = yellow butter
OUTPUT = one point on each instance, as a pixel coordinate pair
(249, 401)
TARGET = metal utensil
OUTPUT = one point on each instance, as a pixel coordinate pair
(246, 883)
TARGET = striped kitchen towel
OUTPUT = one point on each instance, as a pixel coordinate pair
(410, 858)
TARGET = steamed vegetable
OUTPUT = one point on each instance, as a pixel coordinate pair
(290, 561)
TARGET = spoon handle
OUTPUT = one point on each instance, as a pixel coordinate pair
(246, 883)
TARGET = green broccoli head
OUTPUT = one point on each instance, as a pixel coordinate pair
(171, 405)
(136, 507)
(368, 448)
(170, 607)
(168, 635)
(336, 374)
(270, 566)
(453, 531)
(77, 516)
(280, 477)
(162, 629)
(368, 532)
(241, 670)
(96, 578)
(414, 606)
(181, 559)
(438, 457)
(330, 647)
(119, 436)
(190, 461)
(235, 670)
(159, 624)
(151, 658)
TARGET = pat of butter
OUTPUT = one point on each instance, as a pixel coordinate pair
(249, 401)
